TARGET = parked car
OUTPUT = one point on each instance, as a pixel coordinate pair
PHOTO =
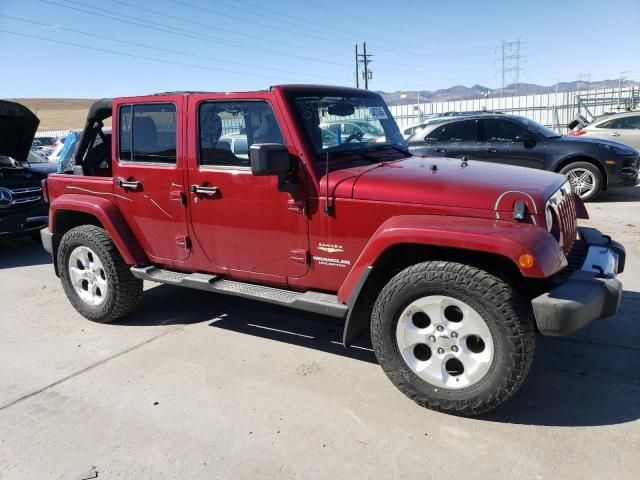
(621, 127)
(591, 164)
(452, 266)
(22, 209)
(356, 129)
(44, 145)
(35, 161)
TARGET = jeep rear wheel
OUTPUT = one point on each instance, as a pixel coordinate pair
(453, 338)
(94, 276)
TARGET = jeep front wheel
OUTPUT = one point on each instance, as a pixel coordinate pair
(452, 337)
(94, 276)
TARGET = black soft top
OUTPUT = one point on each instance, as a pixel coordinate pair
(99, 111)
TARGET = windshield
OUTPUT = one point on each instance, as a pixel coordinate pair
(541, 129)
(36, 158)
(343, 123)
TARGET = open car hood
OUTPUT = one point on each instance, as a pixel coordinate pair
(18, 126)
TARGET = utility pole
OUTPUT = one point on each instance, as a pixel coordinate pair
(582, 78)
(365, 59)
(510, 61)
(357, 74)
(622, 79)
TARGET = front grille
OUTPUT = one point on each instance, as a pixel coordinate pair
(575, 260)
(563, 205)
(20, 196)
(631, 166)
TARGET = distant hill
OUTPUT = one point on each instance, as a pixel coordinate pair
(58, 113)
(460, 92)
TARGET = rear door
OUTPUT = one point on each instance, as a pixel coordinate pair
(502, 143)
(148, 175)
(624, 130)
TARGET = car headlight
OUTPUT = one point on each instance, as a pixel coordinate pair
(619, 149)
(548, 216)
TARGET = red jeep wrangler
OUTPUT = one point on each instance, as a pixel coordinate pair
(453, 265)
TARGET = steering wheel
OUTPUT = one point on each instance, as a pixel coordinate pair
(355, 136)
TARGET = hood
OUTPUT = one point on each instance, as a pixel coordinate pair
(448, 182)
(593, 140)
(18, 126)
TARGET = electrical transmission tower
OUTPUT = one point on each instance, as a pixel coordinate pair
(511, 65)
(364, 59)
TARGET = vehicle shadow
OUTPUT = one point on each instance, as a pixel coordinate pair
(22, 252)
(587, 379)
(170, 305)
(624, 194)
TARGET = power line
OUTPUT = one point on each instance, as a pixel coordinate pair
(151, 47)
(209, 26)
(179, 32)
(132, 55)
(240, 19)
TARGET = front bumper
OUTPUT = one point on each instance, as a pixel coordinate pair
(47, 240)
(585, 291)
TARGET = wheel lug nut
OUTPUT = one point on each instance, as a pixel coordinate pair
(432, 338)
(440, 328)
(454, 335)
(454, 348)
(441, 351)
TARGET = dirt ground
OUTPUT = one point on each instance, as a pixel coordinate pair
(197, 385)
(58, 113)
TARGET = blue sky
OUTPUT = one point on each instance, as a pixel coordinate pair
(251, 44)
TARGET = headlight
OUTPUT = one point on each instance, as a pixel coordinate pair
(619, 149)
(548, 216)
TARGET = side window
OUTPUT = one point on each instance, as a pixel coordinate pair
(148, 133)
(624, 123)
(460, 132)
(609, 124)
(228, 129)
(434, 135)
(497, 130)
(633, 123)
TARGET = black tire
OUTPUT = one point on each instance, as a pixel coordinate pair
(597, 175)
(507, 315)
(124, 291)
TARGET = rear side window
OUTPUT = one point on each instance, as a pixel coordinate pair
(496, 130)
(460, 132)
(434, 135)
(624, 123)
(148, 133)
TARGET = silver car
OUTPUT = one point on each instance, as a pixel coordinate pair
(621, 127)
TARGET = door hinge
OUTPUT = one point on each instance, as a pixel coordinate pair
(299, 256)
(297, 206)
(183, 241)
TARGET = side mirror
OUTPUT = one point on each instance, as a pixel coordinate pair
(270, 159)
(526, 137)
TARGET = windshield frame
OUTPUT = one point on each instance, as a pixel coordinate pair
(388, 125)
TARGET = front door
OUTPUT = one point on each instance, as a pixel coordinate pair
(241, 221)
(503, 143)
(148, 176)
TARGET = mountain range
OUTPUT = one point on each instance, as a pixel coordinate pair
(460, 92)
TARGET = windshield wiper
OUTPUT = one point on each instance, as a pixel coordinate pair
(399, 149)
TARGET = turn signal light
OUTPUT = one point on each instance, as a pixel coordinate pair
(577, 133)
(45, 191)
(525, 260)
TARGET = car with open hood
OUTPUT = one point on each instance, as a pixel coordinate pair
(22, 209)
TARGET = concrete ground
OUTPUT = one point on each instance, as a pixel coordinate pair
(196, 385)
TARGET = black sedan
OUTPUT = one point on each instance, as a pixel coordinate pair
(591, 164)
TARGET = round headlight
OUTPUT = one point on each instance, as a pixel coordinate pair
(548, 216)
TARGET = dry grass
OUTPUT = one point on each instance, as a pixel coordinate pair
(58, 113)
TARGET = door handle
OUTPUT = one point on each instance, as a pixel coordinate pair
(440, 150)
(128, 184)
(491, 150)
(209, 191)
(615, 134)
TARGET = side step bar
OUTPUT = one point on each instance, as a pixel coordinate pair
(316, 302)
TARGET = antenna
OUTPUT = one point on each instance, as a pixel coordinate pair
(328, 209)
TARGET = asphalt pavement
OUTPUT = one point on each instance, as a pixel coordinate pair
(199, 385)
